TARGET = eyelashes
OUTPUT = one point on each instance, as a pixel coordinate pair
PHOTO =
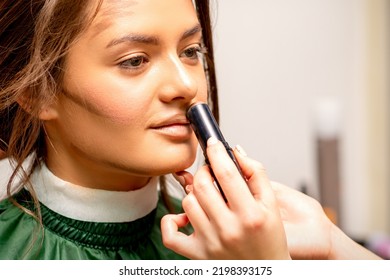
(194, 52)
(134, 62)
(138, 62)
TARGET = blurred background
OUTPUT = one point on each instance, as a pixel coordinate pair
(305, 88)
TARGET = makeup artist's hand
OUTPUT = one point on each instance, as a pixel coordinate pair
(307, 227)
(310, 234)
(249, 226)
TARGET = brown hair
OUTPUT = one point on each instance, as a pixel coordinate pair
(34, 39)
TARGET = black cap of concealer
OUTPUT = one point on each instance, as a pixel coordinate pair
(204, 124)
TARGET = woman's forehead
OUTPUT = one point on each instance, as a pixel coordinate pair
(112, 11)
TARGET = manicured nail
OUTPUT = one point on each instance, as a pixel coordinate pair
(212, 141)
(188, 188)
(241, 150)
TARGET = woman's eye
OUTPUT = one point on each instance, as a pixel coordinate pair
(193, 52)
(134, 62)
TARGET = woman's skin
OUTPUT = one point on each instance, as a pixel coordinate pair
(129, 79)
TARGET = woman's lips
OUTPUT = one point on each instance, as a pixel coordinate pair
(179, 131)
(174, 126)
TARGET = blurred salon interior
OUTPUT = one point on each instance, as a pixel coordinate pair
(304, 87)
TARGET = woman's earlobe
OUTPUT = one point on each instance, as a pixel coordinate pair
(47, 112)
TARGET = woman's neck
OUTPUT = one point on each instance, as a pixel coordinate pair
(90, 174)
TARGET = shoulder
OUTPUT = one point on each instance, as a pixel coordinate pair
(7, 167)
(6, 172)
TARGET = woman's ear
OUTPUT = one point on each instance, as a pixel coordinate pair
(46, 112)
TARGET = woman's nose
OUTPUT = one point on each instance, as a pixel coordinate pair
(179, 81)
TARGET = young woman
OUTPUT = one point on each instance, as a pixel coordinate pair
(93, 96)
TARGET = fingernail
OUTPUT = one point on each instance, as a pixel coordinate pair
(188, 189)
(241, 150)
(212, 141)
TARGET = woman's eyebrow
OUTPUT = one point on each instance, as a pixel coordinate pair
(135, 38)
(192, 31)
(150, 40)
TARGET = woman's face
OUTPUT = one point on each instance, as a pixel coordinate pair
(128, 81)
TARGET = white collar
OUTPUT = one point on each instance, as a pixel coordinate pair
(93, 205)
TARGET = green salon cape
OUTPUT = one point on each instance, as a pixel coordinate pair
(21, 237)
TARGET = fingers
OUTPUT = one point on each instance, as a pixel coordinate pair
(227, 174)
(248, 226)
(208, 197)
(256, 176)
(236, 189)
(195, 213)
(176, 240)
(185, 179)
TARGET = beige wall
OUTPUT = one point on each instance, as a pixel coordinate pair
(378, 103)
(276, 60)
